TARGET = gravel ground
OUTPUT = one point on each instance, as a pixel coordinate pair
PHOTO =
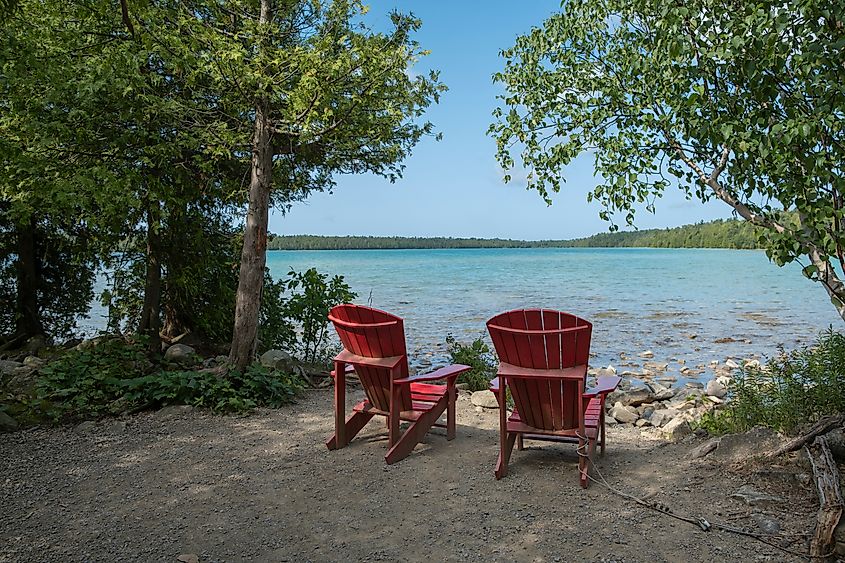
(186, 485)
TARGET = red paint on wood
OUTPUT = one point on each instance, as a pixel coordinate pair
(544, 356)
(374, 344)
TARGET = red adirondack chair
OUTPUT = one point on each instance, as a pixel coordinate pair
(543, 358)
(374, 348)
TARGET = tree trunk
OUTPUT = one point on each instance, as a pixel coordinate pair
(178, 240)
(150, 315)
(254, 252)
(28, 321)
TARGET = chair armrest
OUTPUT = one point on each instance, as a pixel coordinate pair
(449, 372)
(354, 359)
(349, 369)
(604, 385)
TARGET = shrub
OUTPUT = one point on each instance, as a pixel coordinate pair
(115, 376)
(87, 382)
(257, 386)
(313, 295)
(792, 389)
(476, 355)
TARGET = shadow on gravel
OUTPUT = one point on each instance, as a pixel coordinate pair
(265, 488)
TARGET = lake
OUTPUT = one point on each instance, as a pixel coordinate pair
(695, 305)
(676, 302)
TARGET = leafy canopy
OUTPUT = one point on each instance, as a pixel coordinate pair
(743, 102)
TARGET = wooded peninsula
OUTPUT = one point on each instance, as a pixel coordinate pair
(715, 234)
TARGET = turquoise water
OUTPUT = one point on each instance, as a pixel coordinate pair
(675, 302)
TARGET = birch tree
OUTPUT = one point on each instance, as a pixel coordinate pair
(729, 100)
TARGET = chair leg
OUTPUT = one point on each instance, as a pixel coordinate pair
(585, 460)
(505, 455)
(351, 427)
(602, 430)
(519, 444)
(452, 396)
(405, 444)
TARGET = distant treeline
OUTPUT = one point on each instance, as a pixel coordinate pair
(715, 234)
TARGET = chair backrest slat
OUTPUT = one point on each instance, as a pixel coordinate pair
(543, 339)
(372, 333)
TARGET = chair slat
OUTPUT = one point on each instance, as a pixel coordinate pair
(551, 321)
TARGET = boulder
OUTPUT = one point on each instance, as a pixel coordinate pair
(753, 497)
(7, 423)
(276, 359)
(737, 447)
(84, 427)
(181, 354)
(36, 343)
(754, 364)
(633, 398)
(22, 381)
(765, 523)
(623, 413)
(660, 392)
(704, 449)
(34, 362)
(715, 388)
(676, 429)
(662, 416)
(7, 367)
(656, 366)
(485, 398)
(730, 364)
(646, 354)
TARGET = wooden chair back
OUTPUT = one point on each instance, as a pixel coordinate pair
(372, 333)
(542, 339)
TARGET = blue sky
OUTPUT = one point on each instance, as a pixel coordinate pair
(454, 187)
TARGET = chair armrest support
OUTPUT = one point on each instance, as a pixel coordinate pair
(450, 373)
(494, 385)
(604, 385)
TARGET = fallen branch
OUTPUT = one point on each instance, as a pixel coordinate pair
(819, 428)
(826, 476)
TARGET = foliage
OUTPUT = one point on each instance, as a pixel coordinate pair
(313, 295)
(256, 386)
(88, 382)
(199, 279)
(276, 330)
(64, 261)
(740, 102)
(114, 375)
(792, 389)
(714, 234)
(479, 357)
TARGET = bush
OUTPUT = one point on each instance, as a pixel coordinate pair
(257, 386)
(476, 355)
(794, 388)
(88, 382)
(308, 307)
(115, 376)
